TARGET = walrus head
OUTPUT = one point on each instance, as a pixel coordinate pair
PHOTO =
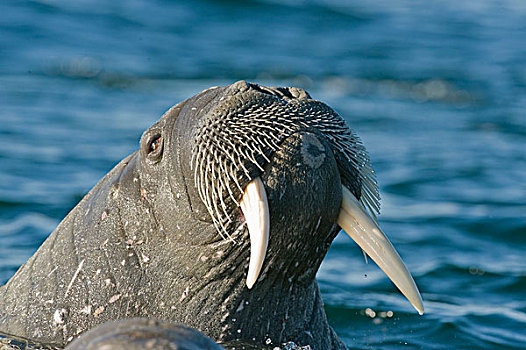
(220, 222)
(268, 176)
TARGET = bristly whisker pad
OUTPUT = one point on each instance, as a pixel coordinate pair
(233, 145)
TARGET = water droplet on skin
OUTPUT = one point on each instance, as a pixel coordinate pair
(98, 311)
(370, 312)
(58, 316)
(86, 309)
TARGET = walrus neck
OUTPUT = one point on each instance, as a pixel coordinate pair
(289, 315)
(287, 312)
(277, 309)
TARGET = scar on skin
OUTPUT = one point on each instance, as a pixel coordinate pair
(75, 275)
(114, 298)
(185, 294)
(312, 151)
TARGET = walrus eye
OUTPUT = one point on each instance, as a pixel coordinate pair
(155, 148)
(155, 144)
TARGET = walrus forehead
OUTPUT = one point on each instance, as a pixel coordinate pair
(239, 127)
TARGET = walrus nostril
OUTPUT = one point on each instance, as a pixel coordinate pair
(282, 92)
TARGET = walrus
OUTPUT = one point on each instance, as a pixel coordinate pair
(142, 334)
(219, 221)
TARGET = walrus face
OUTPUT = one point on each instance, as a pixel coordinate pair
(276, 163)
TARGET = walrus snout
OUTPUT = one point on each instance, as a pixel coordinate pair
(303, 186)
(234, 141)
(235, 133)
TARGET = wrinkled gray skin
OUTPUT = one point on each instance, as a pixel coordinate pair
(142, 244)
(142, 334)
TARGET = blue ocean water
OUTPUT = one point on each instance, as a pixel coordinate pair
(436, 90)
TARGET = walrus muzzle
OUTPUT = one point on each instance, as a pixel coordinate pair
(237, 144)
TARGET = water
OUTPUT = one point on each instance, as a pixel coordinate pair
(437, 91)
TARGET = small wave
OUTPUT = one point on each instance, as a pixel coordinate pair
(36, 221)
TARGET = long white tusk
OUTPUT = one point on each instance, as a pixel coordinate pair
(355, 221)
(254, 205)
